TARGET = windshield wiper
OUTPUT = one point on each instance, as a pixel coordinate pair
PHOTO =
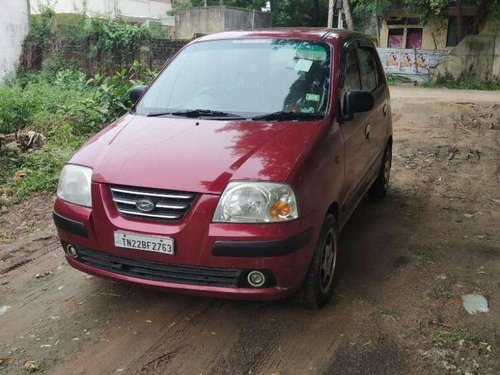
(158, 114)
(203, 113)
(285, 115)
(194, 113)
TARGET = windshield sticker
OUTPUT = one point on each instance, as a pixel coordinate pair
(248, 41)
(303, 65)
(313, 97)
(307, 110)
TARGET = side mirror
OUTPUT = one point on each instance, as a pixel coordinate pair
(136, 92)
(357, 101)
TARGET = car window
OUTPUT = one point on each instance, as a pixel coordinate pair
(368, 69)
(351, 80)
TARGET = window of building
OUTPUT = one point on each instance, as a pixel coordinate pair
(395, 39)
(405, 32)
(414, 38)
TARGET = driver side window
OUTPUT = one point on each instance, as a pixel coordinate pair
(352, 81)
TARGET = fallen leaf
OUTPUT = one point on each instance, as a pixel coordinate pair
(149, 321)
(31, 366)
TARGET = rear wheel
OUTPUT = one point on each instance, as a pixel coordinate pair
(320, 279)
(381, 184)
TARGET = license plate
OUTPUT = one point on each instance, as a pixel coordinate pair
(156, 244)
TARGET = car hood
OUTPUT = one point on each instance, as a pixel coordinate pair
(193, 154)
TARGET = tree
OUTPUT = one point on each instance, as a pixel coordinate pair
(348, 15)
(315, 12)
(424, 8)
(299, 12)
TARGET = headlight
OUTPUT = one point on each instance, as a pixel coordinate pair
(74, 185)
(256, 202)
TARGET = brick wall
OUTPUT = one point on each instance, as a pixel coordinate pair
(160, 50)
(152, 52)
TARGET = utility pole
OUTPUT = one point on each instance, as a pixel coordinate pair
(330, 14)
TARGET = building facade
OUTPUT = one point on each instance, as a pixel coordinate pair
(463, 42)
(137, 10)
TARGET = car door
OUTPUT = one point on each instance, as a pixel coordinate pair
(354, 130)
(373, 82)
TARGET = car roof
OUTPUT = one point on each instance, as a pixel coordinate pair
(307, 33)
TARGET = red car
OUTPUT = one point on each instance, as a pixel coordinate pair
(235, 170)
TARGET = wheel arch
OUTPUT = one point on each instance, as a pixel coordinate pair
(334, 209)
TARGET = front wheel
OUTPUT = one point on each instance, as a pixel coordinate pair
(320, 279)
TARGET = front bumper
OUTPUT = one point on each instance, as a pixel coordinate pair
(281, 251)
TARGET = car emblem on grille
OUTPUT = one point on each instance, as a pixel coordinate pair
(145, 205)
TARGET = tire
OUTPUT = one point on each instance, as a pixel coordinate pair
(380, 186)
(318, 286)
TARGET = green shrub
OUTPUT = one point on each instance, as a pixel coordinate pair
(42, 169)
(16, 108)
(447, 80)
(109, 98)
(65, 107)
(33, 100)
(10, 160)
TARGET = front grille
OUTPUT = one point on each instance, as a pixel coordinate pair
(160, 271)
(164, 204)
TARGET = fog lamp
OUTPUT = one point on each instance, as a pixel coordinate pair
(256, 279)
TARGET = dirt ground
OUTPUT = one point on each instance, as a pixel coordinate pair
(407, 260)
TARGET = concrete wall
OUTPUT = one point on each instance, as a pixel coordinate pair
(14, 25)
(208, 20)
(133, 9)
(476, 56)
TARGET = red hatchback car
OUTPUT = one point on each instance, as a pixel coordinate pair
(236, 168)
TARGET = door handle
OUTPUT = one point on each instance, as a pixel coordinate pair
(385, 110)
(368, 129)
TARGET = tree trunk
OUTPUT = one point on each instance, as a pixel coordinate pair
(348, 15)
(330, 14)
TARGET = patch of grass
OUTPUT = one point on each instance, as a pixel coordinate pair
(42, 169)
(452, 337)
(442, 291)
(448, 338)
(398, 79)
(459, 337)
(390, 313)
(447, 80)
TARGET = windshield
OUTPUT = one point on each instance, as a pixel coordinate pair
(243, 77)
